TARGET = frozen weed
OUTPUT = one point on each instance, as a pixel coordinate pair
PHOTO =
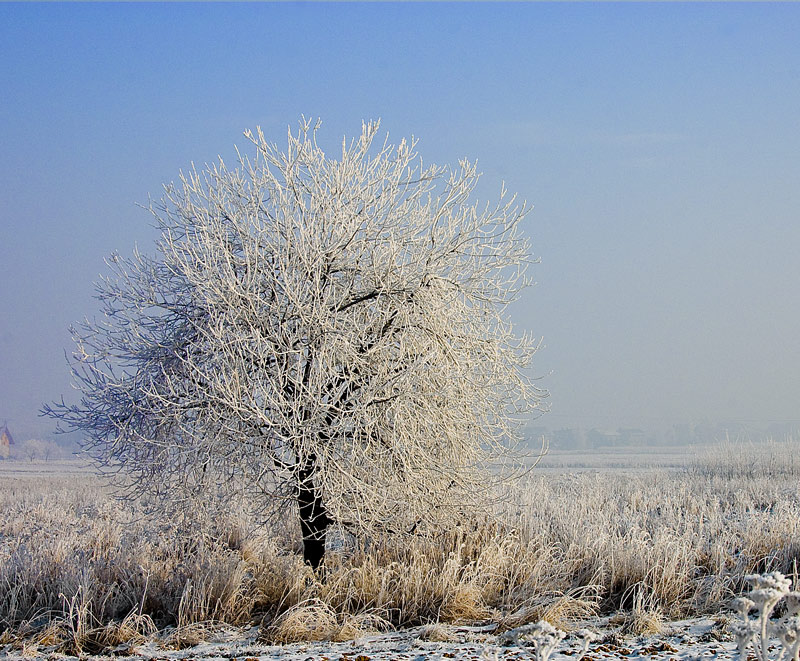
(586, 637)
(310, 620)
(436, 633)
(316, 620)
(767, 591)
(187, 635)
(542, 636)
(645, 618)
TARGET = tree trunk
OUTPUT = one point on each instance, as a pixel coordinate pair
(314, 519)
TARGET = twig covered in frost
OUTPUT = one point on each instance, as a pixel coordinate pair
(766, 592)
(586, 637)
(544, 636)
(744, 631)
(489, 653)
(789, 628)
(788, 632)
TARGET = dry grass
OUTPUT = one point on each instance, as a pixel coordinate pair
(316, 620)
(80, 572)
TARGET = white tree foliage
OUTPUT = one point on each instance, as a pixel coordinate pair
(308, 322)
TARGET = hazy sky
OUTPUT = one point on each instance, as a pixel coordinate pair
(659, 144)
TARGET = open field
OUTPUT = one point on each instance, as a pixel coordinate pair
(741, 456)
(629, 549)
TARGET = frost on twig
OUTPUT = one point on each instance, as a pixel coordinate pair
(586, 637)
(767, 591)
(543, 636)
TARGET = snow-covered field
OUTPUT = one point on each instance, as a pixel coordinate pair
(649, 555)
(686, 639)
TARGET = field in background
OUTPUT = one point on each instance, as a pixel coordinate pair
(45, 469)
(653, 536)
(742, 455)
(624, 458)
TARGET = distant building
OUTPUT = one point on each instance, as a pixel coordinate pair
(6, 441)
(597, 438)
(567, 439)
(632, 437)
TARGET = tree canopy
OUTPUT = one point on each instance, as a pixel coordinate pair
(327, 334)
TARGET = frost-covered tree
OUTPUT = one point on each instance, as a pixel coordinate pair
(327, 334)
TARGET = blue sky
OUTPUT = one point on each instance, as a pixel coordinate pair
(658, 144)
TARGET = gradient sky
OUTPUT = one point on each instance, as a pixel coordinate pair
(659, 144)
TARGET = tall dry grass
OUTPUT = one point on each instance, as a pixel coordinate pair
(81, 572)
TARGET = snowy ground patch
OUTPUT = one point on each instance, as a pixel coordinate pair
(701, 638)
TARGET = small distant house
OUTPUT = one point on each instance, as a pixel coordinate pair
(598, 438)
(632, 437)
(567, 439)
(6, 441)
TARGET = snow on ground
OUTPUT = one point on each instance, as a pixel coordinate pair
(702, 638)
